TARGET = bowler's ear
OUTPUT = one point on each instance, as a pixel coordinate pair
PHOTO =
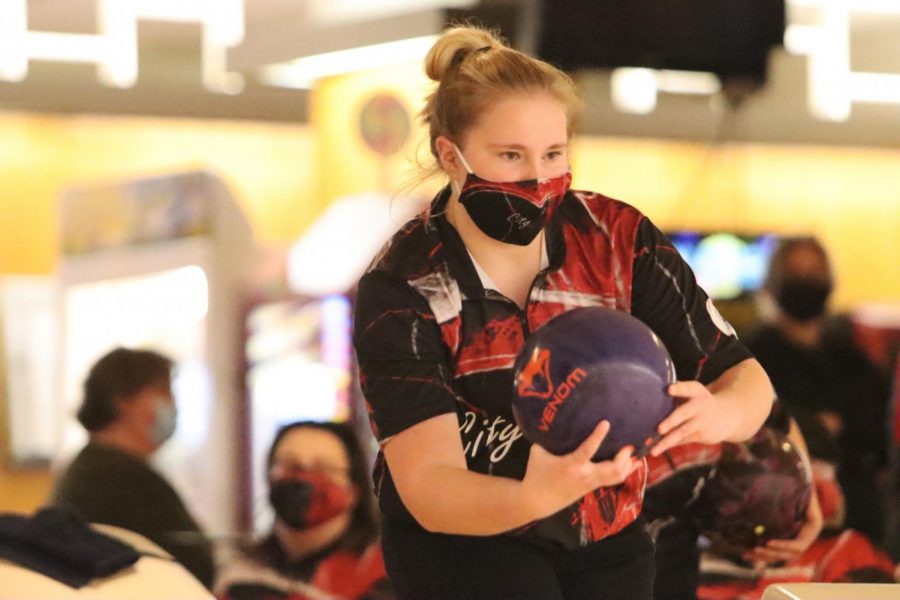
(447, 156)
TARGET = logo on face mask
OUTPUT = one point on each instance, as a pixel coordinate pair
(513, 212)
(518, 221)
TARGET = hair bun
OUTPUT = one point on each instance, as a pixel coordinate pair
(446, 51)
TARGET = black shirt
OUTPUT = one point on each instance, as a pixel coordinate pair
(106, 485)
(432, 340)
(835, 375)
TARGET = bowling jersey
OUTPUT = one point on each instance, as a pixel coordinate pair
(431, 340)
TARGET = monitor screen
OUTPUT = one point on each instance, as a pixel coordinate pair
(726, 37)
(727, 265)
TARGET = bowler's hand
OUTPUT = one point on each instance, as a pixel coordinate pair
(776, 551)
(553, 482)
(698, 418)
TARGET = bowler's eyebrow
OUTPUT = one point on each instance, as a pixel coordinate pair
(555, 146)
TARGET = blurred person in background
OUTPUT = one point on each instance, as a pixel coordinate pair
(129, 412)
(324, 541)
(817, 367)
(838, 555)
(673, 496)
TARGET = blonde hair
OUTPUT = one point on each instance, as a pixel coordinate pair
(473, 68)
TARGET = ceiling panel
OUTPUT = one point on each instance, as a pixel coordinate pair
(276, 30)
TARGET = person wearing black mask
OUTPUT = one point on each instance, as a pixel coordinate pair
(324, 541)
(817, 368)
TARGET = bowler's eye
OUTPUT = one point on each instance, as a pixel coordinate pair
(554, 154)
(281, 469)
(510, 155)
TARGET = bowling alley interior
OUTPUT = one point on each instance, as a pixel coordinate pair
(201, 200)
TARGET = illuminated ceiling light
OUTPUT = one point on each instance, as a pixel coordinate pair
(687, 82)
(13, 22)
(224, 29)
(801, 39)
(880, 7)
(118, 26)
(325, 12)
(303, 72)
(833, 87)
(226, 23)
(829, 65)
(190, 287)
(65, 47)
(634, 90)
(114, 49)
(875, 87)
(215, 73)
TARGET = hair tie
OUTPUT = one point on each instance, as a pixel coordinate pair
(460, 55)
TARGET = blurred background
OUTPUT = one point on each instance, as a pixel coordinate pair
(210, 177)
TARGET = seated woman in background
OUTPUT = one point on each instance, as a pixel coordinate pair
(129, 412)
(324, 541)
(817, 366)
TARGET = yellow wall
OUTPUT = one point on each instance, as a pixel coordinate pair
(284, 175)
(267, 166)
(349, 166)
(849, 197)
(23, 490)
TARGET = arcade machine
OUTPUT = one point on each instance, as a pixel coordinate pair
(298, 349)
(160, 263)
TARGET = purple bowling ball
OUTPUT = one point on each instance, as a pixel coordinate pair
(590, 364)
(758, 491)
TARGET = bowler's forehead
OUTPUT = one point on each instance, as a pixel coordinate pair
(307, 445)
(805, 260)
(527, 121)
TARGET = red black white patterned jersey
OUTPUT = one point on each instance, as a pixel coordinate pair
(431, 340)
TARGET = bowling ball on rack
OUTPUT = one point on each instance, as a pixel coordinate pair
(757, 491)
(586, 365)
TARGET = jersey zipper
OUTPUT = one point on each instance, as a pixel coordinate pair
(522, 313)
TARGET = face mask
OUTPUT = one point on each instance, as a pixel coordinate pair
(308, 499)
(166, 419)
(803, 298)
(512, 212)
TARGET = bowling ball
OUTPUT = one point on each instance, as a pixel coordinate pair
(586, 365)
(758, 491)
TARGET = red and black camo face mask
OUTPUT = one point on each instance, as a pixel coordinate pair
(308, 498)
(513, 212)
